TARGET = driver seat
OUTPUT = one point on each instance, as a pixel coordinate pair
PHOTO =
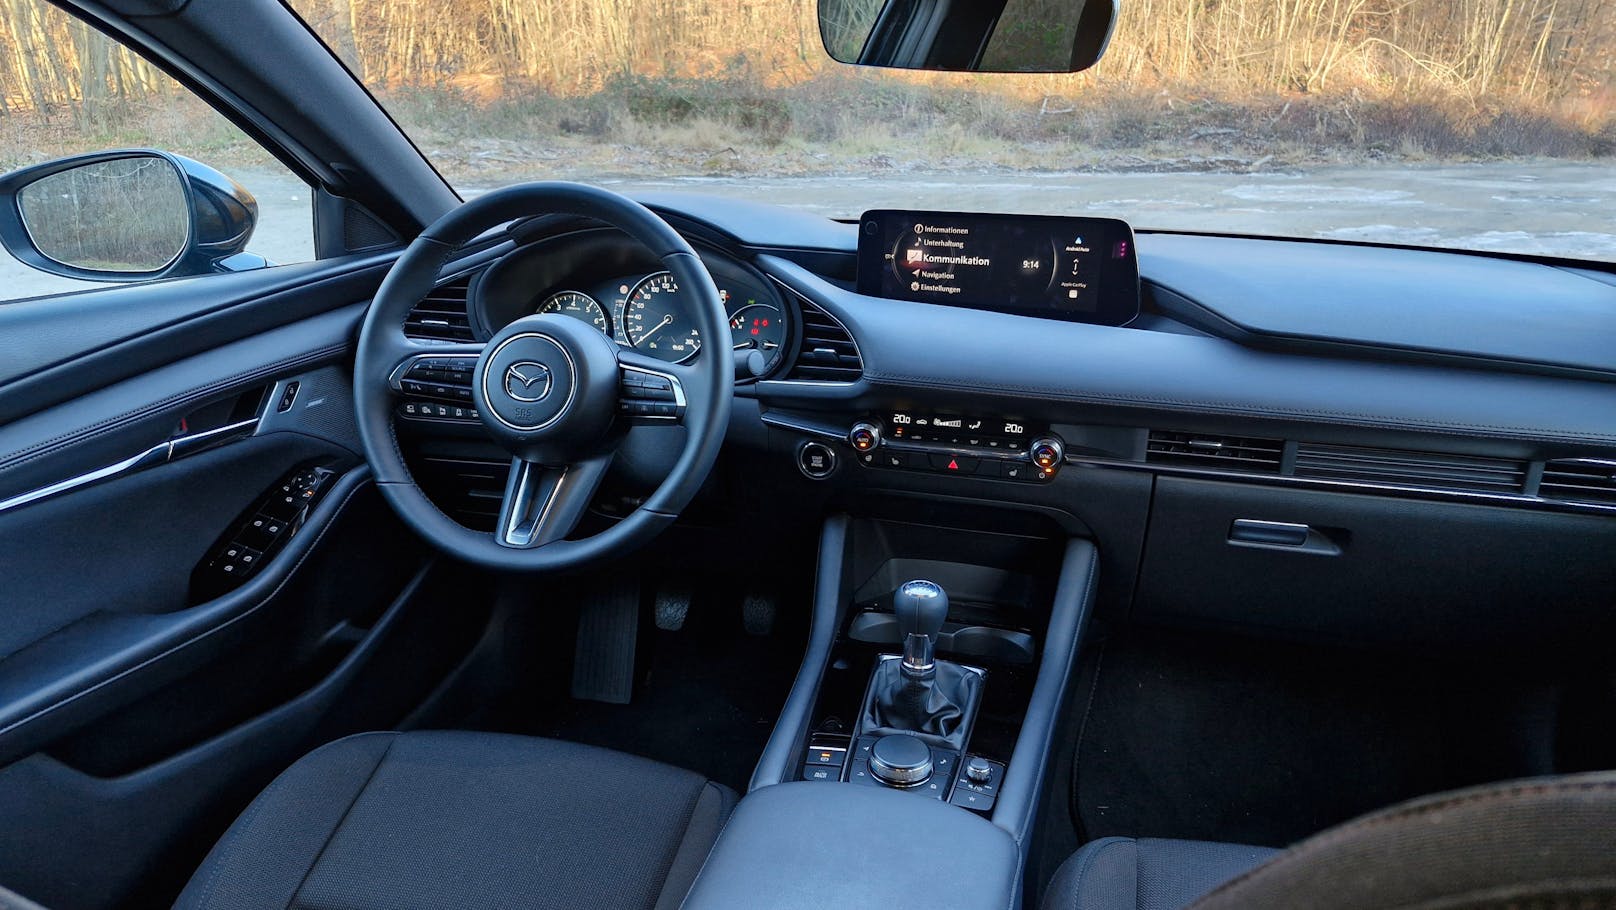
(460, 819)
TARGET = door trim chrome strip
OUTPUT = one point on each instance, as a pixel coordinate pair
(162, 453)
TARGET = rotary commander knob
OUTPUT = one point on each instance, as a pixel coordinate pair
(900, 761)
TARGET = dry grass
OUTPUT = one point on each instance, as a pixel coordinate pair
(503, 89)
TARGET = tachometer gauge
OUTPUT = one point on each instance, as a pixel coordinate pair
(757, 326)
(654, 320)
(579, 306)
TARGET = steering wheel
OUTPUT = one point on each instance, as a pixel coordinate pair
(551, 390)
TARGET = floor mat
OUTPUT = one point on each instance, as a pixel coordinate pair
(706, 696)
(1208, 737)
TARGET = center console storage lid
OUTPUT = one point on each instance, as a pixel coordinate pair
(808, 846)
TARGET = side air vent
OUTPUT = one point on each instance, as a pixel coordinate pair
(827, 352)
(1428, 470)
(442, 315)
(466, 489)
(1211, 450)
(1589, 480)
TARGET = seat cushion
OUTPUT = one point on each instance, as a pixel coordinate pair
(457, 819)
(1120, 873)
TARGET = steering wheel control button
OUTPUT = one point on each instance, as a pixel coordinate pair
(652, 395)
(901, 761)
(865, 436)
(816, 460)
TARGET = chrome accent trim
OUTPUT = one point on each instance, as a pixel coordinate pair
(852, 339)
(512, 534)
(161, 453)
(1349, 486)
(572, 382)
(808, 429)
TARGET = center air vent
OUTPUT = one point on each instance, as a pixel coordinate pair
(1580, 480)
(1214, 451)
(1426, 470)
(827, 352)
(442, 315)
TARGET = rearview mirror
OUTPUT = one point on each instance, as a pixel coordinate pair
(989, 36)
(126, 215)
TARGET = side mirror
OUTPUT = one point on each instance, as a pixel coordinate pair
(126, 215)
(985, 36)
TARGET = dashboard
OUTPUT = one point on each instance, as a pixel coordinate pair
(605, 279)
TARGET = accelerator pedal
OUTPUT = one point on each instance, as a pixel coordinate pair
(608, 626)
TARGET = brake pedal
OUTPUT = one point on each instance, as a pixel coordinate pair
(672, 607)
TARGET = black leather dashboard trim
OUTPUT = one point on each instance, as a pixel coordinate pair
(912, 346)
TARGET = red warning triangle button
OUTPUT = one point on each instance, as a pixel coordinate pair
(953, 465)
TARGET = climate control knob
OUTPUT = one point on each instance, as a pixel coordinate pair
(1047, 453)
(864, 437)
(900, 761)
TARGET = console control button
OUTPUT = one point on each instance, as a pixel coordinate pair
(1047, 453)
(822, 772)
(970, 799)
(901, 761)
(978, 771)
(816, 460)
(864, 437)
(953, 464)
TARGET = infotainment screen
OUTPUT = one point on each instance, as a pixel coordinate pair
(1078, 269)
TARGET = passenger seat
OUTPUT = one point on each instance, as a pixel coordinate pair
(1542, 842)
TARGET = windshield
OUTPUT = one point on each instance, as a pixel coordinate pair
(1475, 124)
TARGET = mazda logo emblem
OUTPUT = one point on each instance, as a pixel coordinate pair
(527, 381)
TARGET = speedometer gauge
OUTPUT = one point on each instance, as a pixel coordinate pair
(654, 320)
(579, 306)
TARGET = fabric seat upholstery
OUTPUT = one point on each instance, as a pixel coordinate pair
(1121, 873)
(457, 819)
(1539, 842)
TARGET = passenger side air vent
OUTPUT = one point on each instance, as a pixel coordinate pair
(468, 490)
(442, 315)
(1427, 470)
(1213, 451)
(827, 352)
(1589, 480)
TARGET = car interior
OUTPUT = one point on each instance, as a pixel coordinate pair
(1008, 561)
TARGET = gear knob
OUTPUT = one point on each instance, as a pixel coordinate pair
(921, 606)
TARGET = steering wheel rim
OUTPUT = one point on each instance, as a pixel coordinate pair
(541, 506)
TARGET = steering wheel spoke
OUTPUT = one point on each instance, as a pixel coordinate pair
(651, 391)
(544, 504)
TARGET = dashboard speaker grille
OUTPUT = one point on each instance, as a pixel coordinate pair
(1579, 480)
(442, 315)
(1214, 451)
(827, 352)
(1427, 470)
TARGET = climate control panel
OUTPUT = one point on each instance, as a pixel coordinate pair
(945, 443)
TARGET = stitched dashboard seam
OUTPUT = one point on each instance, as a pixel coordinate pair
(38, 450)
(1373, 420)
(204, 633)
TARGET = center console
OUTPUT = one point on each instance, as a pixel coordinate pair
(910, 757)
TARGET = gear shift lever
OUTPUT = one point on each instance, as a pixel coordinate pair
(922, 606)
(917, 693)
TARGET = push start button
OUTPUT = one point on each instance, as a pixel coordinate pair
(816, 460)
